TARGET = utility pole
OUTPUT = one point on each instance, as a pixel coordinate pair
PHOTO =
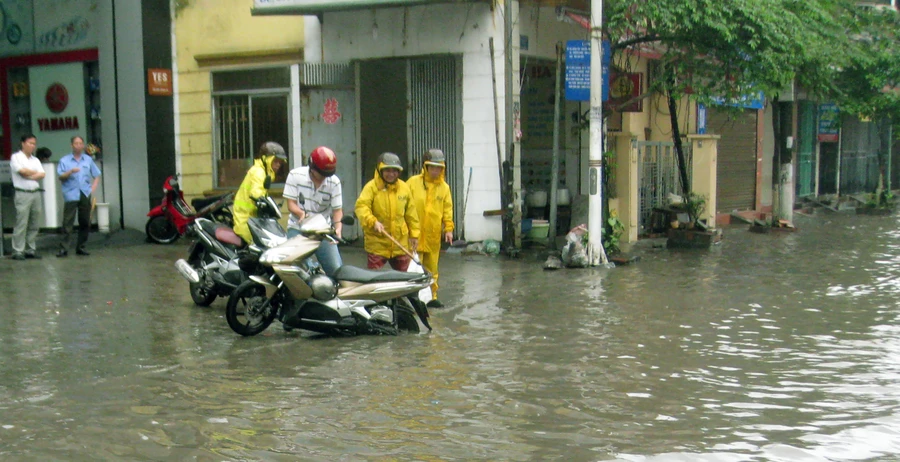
(510, 74)
(595, 160)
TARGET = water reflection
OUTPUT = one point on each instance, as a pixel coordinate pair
(782, 348)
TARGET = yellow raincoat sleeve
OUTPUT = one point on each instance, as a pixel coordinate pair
(448, 212)
(256, 187)
(412, 218)
(364, 206)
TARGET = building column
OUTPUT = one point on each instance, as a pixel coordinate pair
(626, 182)
(704, 162)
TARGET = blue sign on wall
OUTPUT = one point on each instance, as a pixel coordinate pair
(749, 101)
(578, 70)
(829, 123)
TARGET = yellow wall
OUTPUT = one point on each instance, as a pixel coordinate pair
(223, 28)
(652, 124)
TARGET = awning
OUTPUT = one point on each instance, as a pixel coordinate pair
(315, 7)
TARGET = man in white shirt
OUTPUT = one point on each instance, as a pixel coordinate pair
(27, 172)
(320, 190)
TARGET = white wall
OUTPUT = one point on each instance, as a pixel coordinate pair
(110, 179)
(132, 116)
(441, 29)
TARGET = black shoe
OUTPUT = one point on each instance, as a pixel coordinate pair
(32, 256)
(82, 252)
(62, 253)
(18, 256)
(434, 304)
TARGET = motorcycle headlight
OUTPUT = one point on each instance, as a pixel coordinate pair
(270, 242)
(270, 258)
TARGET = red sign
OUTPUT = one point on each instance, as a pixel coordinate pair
(331, 114)
(52, 124)
(57, 98)
(624, 87)
(159, 82)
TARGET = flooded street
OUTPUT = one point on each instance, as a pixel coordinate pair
(766, 348)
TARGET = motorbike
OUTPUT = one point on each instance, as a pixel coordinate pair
(355, 301)
(170, 220)
(218, 259)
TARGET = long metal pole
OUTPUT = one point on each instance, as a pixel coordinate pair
(503, 199)
(554, 165)
(595, 161)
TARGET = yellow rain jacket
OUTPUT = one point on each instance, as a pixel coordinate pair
(434, 207)
(253, 187)
(392, 206)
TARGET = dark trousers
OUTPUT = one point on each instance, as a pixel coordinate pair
(81, 207)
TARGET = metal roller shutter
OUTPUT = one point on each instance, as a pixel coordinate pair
(736, 175)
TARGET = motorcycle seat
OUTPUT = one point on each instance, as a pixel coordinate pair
(201, 202)
(222, 233)
(354, 274)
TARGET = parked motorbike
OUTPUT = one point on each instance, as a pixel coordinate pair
(170, 220)
(218, 260)
(357, 301)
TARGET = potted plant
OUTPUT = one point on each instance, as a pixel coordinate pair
(694, 234)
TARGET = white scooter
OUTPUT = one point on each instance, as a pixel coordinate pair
(357, 301)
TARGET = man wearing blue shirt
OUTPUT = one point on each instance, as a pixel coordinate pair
(80, 177)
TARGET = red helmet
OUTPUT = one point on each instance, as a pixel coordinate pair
(323, 160)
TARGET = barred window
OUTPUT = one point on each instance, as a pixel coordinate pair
(250, 107)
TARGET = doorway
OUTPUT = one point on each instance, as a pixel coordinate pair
(410, 105)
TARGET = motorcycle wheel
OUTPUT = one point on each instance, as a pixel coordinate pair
(405, 317)
(161, 231)
(242, 310)
(201, 294)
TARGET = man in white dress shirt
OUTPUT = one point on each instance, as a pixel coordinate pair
(27, 171)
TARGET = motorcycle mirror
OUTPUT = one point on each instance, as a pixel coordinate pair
(300, 199)
(348, 220)
(267, 183)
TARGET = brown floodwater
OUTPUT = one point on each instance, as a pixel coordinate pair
(765, 348)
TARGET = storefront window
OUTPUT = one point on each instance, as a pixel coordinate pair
(250, 107)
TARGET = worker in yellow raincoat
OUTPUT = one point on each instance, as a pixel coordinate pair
(431, 197)
(385, 207)
(270, 159)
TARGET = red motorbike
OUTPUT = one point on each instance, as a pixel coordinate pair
(169, 220)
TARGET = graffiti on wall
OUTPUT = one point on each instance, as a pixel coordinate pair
(28, 26)
(65, 35)
(16, 27)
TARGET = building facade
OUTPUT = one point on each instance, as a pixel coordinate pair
(80, 67)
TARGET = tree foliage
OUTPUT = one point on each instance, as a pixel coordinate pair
(832, 49)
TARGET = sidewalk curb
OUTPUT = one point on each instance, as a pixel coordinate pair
(48, 241)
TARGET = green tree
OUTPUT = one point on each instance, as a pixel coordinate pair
(714, 48)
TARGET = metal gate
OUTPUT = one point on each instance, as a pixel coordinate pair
(737, 161)
(807, 149)
(657, 177)
(859, 156)
(328, 118)
(434, 120)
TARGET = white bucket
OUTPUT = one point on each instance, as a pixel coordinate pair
(103, 217)
(536, 199)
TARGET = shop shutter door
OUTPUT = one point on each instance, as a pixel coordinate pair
(736, 174)
(435, 121)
